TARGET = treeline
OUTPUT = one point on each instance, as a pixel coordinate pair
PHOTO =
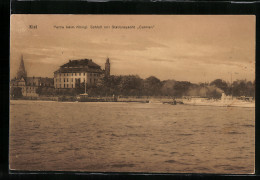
(133, 85)
(237, 88)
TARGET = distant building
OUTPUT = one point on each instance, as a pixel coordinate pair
(74, 72)
(29, 85)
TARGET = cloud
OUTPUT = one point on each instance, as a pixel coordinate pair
(182, 47)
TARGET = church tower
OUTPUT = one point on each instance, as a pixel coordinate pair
(107, 68)
(21, 72)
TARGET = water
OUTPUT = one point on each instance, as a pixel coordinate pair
(131, 137)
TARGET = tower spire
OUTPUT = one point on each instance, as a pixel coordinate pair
(21, 71)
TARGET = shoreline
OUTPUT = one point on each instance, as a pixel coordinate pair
(154, 101)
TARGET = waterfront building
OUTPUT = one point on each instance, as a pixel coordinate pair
(28, 86)
(71, 74)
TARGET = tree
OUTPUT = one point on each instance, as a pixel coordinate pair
(130, 85)
(221, 84)
(239, 88)
(250, 89)
(167, 87)
(243, 88)
(181, 88)
(16, 92)
(152, 86)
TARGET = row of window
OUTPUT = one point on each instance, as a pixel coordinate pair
(28, 88)
(56, 85)
(64, 86)
(64, 80)
(67, 74)
(41, 84)
(67, 80)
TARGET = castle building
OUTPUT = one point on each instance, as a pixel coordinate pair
(29, 85)
(74, 72)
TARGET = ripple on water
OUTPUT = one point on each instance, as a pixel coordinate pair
(117, 137)
(122, 165)
(171, 161)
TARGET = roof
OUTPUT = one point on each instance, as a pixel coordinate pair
(40, 79)
(35, 81)
(77, 66)
(81, 63)
(15, 81)
(78, 70)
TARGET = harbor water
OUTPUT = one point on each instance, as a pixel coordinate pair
(131, 137)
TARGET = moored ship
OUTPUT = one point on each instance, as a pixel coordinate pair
(86, 98)
(225, 101)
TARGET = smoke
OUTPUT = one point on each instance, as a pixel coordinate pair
(207, 91)
(167, 87)
(193, 92)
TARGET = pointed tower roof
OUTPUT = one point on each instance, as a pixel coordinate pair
(107, 60)
(21, 71)
(22, 64)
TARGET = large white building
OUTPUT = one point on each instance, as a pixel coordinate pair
(75, 72)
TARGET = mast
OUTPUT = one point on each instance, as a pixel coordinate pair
(231, 87)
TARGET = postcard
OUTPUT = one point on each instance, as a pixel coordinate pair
(132, 93)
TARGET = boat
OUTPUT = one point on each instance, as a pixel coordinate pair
(86, 98)
(155, 101)
(225, 101)
(174, 102)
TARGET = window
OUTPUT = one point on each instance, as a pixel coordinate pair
(72, 85)
(75, 74)
(72, 80)
(72, 74)
(79, 74)
(67, 85)
(90, 81)
(60, 85)
(64, 80)
(67, 79)
(84, 74)
(64, 85)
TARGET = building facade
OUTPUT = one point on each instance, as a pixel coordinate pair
(75, 72)
(29, 85)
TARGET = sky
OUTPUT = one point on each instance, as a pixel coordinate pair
(195, 48)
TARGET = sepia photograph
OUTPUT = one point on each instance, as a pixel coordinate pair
(132, 93)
